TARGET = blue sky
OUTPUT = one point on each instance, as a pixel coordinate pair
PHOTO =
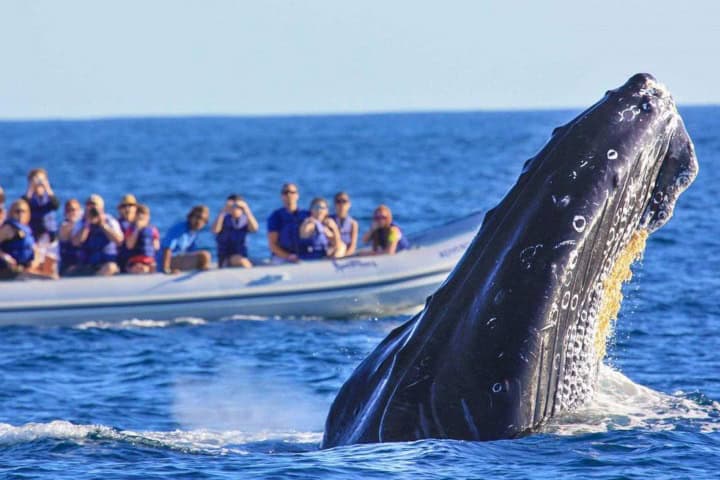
(76, 58)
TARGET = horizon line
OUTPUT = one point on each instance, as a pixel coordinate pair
(261, 115)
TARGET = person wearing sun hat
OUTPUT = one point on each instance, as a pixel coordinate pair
(127, 211)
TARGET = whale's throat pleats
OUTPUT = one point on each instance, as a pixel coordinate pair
(612, 289)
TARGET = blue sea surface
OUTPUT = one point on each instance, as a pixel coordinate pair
(246, 397)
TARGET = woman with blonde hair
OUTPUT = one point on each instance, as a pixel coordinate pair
(385, 236)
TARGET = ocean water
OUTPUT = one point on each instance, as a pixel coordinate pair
(246, 397)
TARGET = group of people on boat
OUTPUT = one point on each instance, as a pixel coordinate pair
(90, 241)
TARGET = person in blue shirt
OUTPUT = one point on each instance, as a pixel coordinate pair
(284, 226)
(231, 227)
(179, 250)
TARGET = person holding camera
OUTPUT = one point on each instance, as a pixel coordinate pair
(231, 227)
(319, 234)
(143, 243)
(127, 211)
(43, 221)
(98, 235)
(69, 253)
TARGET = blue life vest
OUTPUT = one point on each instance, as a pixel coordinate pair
(98, 248)
(42, 215)
(20, 247)
(381, 236)
(231, 239)
(317, 245)
(144, 245)
(69, 255)
(345, 227)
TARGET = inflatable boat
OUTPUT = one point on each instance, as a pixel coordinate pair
(355, 286)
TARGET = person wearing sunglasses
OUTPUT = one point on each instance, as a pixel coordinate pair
(98, 236)
(347, 225)
(127, 211)
(319, 234)
(43, 221)
(17, 244)
(284, 226)
(69, 253)
(180, 249)
(231, 227)
(384, 235)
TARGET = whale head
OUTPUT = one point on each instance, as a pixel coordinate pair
(516, 333)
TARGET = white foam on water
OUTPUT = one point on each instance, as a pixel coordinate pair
(248, 318)
(134, 323)
(621, 404)
(193, 441)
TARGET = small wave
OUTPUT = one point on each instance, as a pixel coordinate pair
(621, 404)
(247, 318)
(194, 441)
(139, 323)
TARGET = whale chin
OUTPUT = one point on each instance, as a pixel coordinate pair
(517, 332)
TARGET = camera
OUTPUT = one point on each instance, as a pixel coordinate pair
(94, 212)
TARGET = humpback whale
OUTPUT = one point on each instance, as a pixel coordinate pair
(516, 333)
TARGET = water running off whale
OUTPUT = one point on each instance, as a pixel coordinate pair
(517, 332)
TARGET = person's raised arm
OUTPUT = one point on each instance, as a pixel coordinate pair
(252, 221)
(218, 223)
(367, 236)
(80, 232)
(307, 228)
(111, 231)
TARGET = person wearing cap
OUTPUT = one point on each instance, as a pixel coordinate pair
(284, 226)
(98, 235)
(384, 235)
(347, 225)
(180, 249)
(127, 210)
